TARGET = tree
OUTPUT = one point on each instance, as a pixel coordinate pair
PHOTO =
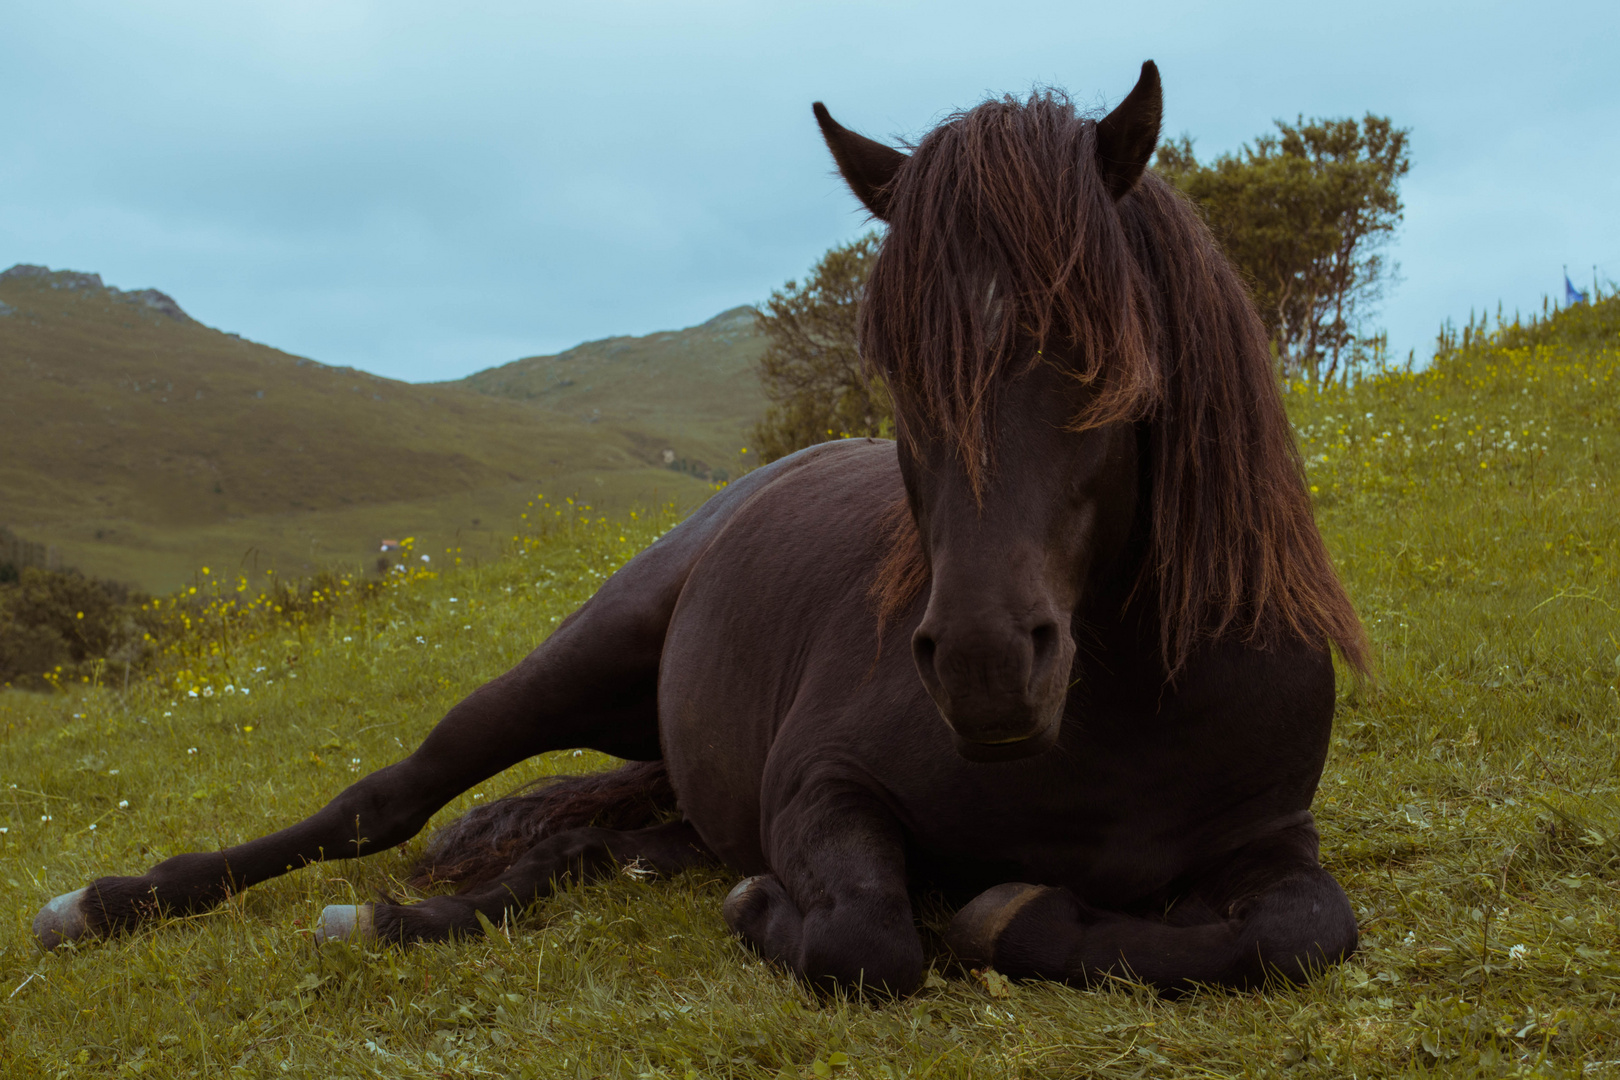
(1304, 214)
(811, 370)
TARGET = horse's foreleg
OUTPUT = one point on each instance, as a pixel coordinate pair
(836, 909)
(584, 854)
(592, 683)
(1269, 910)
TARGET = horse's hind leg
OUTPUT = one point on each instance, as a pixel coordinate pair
(583, 854)
(593, 683)
(1268, 910)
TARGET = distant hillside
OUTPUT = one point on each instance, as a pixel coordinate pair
(689, 397)
(144, 444)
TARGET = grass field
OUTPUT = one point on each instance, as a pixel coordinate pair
(143, 444)
(1471, 807)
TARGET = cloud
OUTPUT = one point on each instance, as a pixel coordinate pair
(424, 191)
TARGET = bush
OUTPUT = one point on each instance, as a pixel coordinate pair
(57, 624)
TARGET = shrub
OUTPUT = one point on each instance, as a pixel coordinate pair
(56, 624)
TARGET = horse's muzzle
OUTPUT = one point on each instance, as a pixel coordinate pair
(1002, 695)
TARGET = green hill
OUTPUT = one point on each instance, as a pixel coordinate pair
(142, 444)
(687, 397)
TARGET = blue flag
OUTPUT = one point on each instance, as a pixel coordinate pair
(1572, 295)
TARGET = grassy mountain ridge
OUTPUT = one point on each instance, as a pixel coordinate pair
(145, 444)
(692, 393)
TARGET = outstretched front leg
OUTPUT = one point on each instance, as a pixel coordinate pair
(835, 910)
(593, 683)
(1267, 910)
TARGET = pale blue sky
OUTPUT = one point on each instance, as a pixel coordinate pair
(424, 190)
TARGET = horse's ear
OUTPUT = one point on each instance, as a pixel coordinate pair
(866, 165)
(1126, 137)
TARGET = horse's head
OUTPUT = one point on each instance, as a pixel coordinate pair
(1004, 314)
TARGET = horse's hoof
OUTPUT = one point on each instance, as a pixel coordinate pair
(735, 900)
(345, 922)
(61, 920)
(973, 933)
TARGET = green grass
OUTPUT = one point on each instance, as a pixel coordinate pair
(1471, 807)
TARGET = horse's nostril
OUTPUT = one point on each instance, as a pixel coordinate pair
(922, 648)
(1045, 653)
(1044, 639)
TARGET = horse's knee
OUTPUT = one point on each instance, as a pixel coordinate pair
(1296, 929)
(855, 954)
(861, 942)
(376, 812)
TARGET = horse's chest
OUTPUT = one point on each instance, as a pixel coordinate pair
(1115, 822)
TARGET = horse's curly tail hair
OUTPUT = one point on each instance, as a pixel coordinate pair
(482, 843)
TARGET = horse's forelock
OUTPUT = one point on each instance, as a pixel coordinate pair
(1004, 242)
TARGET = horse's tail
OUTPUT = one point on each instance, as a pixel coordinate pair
(481, 844)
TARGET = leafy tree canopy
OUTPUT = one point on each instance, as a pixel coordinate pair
(1304, 214)
(811, 370)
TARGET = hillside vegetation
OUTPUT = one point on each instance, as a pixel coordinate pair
(685, 397)
(144, 445)
(1471, 807)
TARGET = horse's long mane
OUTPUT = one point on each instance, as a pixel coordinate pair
(1005, 244)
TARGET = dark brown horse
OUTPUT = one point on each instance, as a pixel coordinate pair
(1092, 531)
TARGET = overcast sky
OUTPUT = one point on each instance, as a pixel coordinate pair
(424, 190)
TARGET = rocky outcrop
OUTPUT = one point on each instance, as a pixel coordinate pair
(160, 302)
(56, 279)
(74, 281)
